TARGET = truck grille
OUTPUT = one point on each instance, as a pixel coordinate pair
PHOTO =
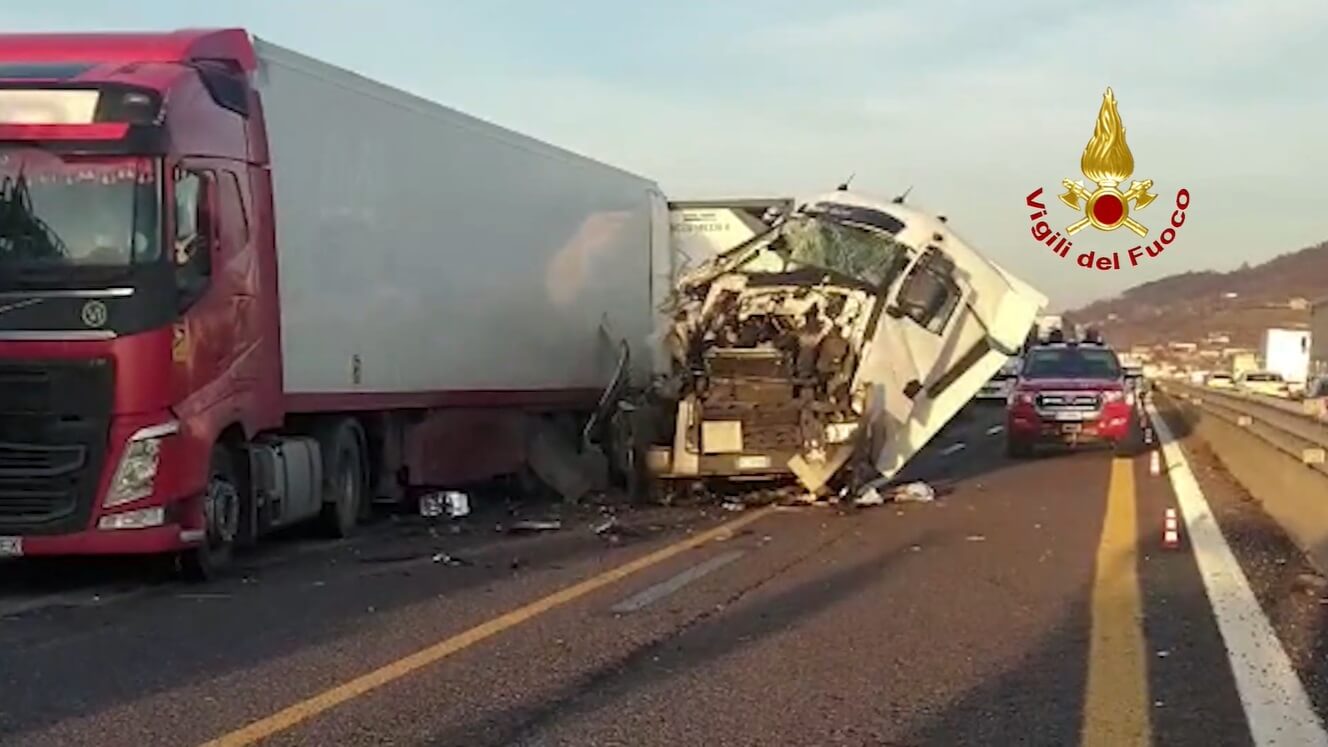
(1086, 401)
(54, 425)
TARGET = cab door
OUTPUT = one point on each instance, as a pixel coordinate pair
(945, 331)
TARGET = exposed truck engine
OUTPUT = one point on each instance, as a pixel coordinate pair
(845, 336)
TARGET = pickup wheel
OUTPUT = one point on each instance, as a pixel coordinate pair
(343, 480)
(1018, 448)
(221, 521)
(1129, 445)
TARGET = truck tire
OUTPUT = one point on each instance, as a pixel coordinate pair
(1018, 448)
(221, 520)
(343, 480)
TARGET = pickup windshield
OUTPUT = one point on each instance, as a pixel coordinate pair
(1072, 363)
(76, 212)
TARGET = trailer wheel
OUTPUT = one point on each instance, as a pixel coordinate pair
(221, 521)
(343, 481)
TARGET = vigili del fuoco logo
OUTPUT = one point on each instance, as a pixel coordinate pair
(1107, 162)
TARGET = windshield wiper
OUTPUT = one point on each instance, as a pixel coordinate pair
(19, 223)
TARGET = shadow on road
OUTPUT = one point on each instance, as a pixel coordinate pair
(684, 649)
(151, 645)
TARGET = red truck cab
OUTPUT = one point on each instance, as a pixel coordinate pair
(137, 289)
(1069, 394)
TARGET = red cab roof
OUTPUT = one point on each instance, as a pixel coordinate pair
(173, 46)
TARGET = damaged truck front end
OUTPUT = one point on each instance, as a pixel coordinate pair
(831, 347)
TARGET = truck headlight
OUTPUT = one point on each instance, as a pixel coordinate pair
(137, 470)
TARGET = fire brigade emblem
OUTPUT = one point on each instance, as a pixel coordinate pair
(1107, 162)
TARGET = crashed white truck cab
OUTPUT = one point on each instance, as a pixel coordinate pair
(842, 338)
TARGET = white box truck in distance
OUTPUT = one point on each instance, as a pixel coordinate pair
(1287, 352)
(328, 290)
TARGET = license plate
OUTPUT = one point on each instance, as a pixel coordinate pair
(1071, 428)
(11, 547)
(1072, 416)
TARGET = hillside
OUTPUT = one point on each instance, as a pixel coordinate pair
(1240, 304)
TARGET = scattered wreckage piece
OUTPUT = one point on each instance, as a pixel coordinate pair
(831, 347)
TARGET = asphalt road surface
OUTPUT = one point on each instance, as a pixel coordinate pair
(1032, 602)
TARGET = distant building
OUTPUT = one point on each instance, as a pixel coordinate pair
(1299, 304)
(1218, 338)
(1231, 294)
(1183, 347)
(1210, 353)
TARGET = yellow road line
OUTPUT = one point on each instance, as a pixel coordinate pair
(1116, 707)
(307, 709)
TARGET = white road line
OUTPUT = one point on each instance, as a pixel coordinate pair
(1276, 707)
(953, 449)
(995, 429)
(68, 599)
(665, 588)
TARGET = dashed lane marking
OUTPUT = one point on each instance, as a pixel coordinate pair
(329, 699)
(1276, 707)
(953, 449)
(664, 588)
(995, 430)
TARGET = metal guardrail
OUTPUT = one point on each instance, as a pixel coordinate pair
(1281, 424)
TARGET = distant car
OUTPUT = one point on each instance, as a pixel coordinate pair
(999, 386)
(1315, 402)
(1220, 381)
(1070, 394)
(996, 388)
(1264, 382)
(1317, 388)
(1134, 377)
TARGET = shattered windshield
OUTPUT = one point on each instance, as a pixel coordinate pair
(79, 212)
(867, 255)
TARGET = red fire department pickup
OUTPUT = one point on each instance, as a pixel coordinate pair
(1070, 393)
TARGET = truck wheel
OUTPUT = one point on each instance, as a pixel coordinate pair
(343, 482)
(221, 521)
(1018, 448)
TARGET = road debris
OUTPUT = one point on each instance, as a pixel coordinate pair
(446, 559)
(914, 492)
(870, 497)
(976, 538)
(452, 503)
(734, 506)
(572, 472)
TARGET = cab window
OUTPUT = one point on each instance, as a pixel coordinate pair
(930, 293)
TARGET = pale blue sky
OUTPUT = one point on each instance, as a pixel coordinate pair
(973, 103)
